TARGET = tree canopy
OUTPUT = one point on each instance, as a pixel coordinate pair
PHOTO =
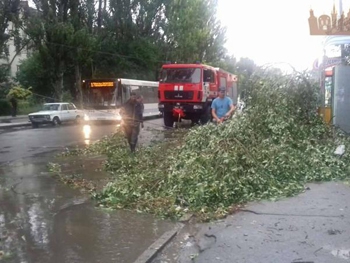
(73, 40)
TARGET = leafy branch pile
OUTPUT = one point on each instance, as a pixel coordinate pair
(268, 152)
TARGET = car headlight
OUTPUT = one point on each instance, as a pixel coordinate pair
(86, 117)
(47, 117)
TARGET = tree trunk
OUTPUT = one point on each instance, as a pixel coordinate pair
(78, 87)
(93, 70)
(99, 15)
(58, 87)
(58, 82)
(104, 6)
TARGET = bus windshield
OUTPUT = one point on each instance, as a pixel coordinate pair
(100, 94)
(101, 98)
(181, 75)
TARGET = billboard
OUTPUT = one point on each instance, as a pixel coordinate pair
(334, 23)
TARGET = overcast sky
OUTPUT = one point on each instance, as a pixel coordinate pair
(274, 30)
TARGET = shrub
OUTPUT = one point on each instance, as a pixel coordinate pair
(5, 107)
(28, 106)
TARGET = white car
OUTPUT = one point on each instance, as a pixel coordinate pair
(56, 113)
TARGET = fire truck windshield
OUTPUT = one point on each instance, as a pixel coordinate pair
(181, 75)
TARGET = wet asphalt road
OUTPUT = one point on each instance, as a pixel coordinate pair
(24, 143)
(43, 220)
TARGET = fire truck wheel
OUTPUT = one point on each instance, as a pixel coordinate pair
(168, 119)
(205, 117)
(194, 121)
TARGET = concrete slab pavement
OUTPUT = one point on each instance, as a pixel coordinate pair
(12, 122)
(311, 227)
(10, 118)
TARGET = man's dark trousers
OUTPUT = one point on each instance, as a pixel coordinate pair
(132, 132)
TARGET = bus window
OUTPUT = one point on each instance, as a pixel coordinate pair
(126, 93)
(136, 89)
(119, 92)
(149, 94)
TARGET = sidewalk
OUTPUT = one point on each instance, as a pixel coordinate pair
(311, 227)
(11, 122)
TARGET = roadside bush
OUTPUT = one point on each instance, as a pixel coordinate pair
(5, 107)
(270, 151)
(28, 106)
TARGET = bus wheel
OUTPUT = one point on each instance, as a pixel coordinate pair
(168, 119)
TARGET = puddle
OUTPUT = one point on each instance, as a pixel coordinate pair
(83, 172)
(43, 220)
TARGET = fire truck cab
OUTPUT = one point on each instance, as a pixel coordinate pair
(186, 91)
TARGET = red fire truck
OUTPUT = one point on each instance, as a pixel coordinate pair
(186, 91)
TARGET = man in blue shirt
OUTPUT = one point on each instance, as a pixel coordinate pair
(222, 107)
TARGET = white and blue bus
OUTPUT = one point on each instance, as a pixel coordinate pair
(105, 96)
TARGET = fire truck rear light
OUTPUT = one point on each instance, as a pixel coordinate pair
(197, 107)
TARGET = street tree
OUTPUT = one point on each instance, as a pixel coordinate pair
(193, 32)
(8, 13)
(51, 31)
(119, 38)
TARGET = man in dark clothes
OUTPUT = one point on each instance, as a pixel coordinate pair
(14, 106)
(139, 99)
(131, 113)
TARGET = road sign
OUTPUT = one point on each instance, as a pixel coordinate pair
(328, 62)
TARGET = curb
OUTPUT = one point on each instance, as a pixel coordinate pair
(150, 253)
(14, 125)
(6, 118)
(151, 117)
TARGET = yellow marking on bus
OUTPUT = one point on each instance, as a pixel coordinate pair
(101, 84)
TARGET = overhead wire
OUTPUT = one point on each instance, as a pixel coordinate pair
(101, 52)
